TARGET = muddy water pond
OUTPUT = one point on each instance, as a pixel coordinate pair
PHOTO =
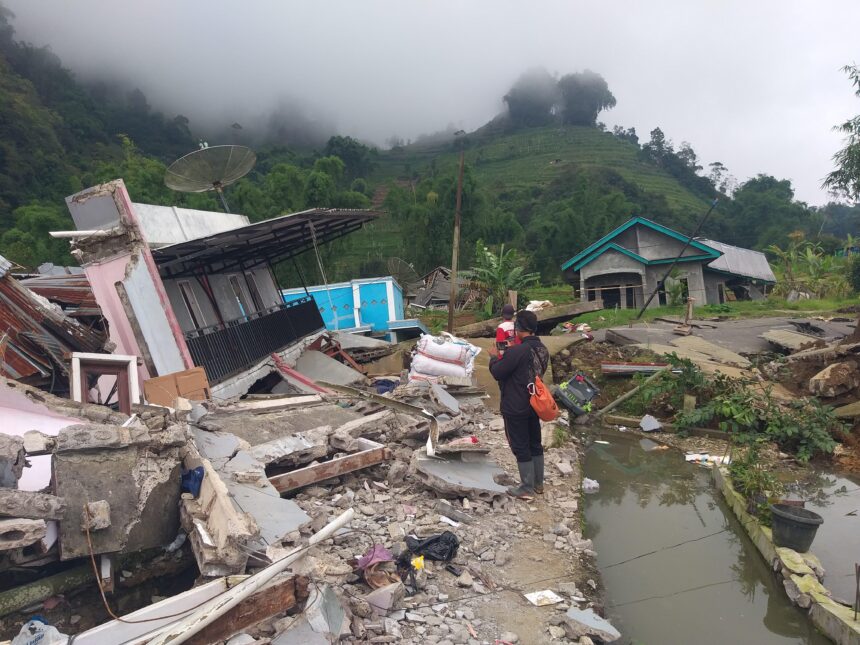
(836, 497)
(676, 565)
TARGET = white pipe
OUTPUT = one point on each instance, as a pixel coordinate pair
(75, 233)
(208, 613)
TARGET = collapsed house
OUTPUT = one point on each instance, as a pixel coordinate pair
(181, 288)
(626, 265)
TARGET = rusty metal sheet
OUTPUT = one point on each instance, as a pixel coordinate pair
(72, 292)
(39, 335)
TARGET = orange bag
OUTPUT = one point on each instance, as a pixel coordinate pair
(542, 401)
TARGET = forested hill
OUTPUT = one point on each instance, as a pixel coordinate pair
(545, 177)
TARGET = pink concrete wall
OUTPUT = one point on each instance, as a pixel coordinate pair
(126, 210)
(103, 276)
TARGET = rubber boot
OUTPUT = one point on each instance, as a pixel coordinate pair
(538, 462)
(526, 490)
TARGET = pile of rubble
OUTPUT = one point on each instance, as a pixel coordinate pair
(237, 486)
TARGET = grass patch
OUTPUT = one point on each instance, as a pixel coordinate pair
(559, 294)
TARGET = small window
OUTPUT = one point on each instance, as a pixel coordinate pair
(255, 292)
(241, 300)
(191, 304)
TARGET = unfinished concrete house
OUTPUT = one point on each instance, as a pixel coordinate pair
(623, 267)
(184, 288)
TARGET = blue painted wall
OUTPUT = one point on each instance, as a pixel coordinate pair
(373, 303)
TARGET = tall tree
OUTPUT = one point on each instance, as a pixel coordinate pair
(845, 179)
(583, 96)
(532, 99)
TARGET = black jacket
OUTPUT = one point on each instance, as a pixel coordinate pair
(515, 370)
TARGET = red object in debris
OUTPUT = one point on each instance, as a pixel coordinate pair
(463, 441)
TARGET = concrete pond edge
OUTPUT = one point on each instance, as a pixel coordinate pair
(801, 573)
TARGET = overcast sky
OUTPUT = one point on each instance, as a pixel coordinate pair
(754, 84)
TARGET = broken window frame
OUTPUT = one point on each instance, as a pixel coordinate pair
(241, 299)
(195, 313)
(253, 289)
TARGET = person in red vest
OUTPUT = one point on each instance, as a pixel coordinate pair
(506, 336)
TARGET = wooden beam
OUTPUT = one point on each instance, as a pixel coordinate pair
(371, 453)
(274, 599)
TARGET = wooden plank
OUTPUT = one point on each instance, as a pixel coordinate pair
(334, 468)
(273, 599)
(144, 622)
(544, 316)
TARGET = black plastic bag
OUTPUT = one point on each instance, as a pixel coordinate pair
(437, 547)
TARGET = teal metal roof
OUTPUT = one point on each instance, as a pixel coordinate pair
(605, 243)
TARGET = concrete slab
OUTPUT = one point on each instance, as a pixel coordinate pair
(216, 446)
(358, 341)
(276, 517)
(297, 449)
(440, 395)
(471, 476)
(245, 478)
(584, 622)
(319, 367)
(740, 336)
(259, 428)
(790, 340)
(713, 351)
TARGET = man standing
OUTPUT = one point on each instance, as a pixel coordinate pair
(515, 371)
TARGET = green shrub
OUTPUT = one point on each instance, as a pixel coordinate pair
(854, 273)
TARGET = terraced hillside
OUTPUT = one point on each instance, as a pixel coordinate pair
(535, 157)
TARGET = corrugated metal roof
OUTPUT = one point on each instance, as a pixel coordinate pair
(40, 334)
(71, 291)
(272, 240)
(741, 262)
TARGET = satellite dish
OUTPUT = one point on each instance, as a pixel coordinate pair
(210, 168)
(403, 272)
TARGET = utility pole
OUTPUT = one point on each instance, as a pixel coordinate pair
(455, 254)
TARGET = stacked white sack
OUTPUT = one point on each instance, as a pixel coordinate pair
(445, 355)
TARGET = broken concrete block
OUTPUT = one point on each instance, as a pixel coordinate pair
(18, 533)
(370, 426)
(835, 379)
(564, 468)
(30, 505)
(448, 510)
(295, 450)
(36, 443)
(95, 516)
(100, 437)
(463, 475)
(173, 436)
(386, 598)
(442, 398)
(142, 489)
(649, 423)
(579, 622)
(11, 460)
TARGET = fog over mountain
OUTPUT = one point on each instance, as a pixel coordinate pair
(755, 85)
